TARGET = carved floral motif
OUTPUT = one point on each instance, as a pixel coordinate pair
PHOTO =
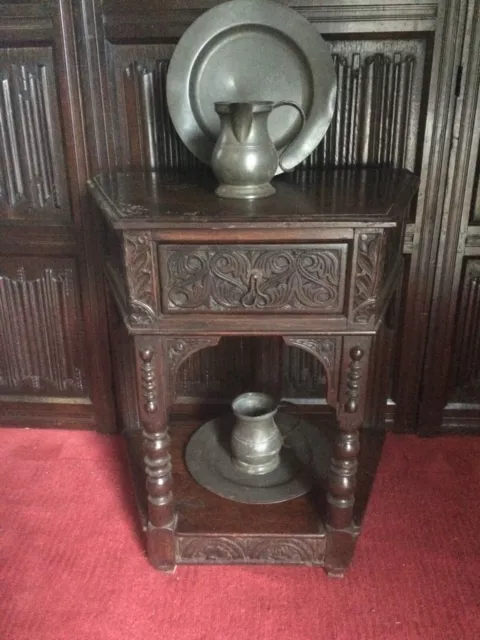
(368, 275)
(229, 278)
(140, 278)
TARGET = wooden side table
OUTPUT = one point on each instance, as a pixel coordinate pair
(317, 264)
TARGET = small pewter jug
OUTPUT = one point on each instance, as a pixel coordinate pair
(256, 440)
(244, 158)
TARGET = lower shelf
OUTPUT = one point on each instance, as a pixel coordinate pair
(212, 529)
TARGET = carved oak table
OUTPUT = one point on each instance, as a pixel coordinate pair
(317, 264)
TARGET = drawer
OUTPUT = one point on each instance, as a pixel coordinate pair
(253, 278)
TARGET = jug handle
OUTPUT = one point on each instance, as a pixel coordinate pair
(288, 103)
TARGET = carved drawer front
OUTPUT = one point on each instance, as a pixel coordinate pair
(230, 278)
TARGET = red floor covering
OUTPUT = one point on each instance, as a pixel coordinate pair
(72, 565)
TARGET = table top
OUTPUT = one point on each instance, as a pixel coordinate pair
(359, 197)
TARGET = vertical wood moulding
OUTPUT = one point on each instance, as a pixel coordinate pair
(466, 366)
(433, 178)
(11, 185)
(90, 41)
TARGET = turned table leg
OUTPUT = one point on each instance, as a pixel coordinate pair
(152, 394)
(341, 530)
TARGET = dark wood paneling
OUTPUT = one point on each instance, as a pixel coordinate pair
(401, 102)
(427, 225)
(54, 350)
(451, 393)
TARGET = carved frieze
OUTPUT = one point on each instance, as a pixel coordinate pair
(370, 256)
(231, 278)
(37, 320)
(139, 264)
(251, 549)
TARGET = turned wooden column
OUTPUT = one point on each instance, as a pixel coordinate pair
(344, 461)
(153, 405)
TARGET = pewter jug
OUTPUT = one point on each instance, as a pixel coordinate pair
(256, 440)
(244, 158)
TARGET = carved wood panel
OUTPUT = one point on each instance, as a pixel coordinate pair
(32, 166)
(308, 278)
(140, 264)
(145, 135)
(377, 114)
(40, 329)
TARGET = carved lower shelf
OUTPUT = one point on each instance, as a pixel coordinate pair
(213, 530)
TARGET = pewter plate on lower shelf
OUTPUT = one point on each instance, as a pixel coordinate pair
(304, 462)
(246, 50)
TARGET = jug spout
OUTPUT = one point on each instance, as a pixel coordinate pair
(242, 120)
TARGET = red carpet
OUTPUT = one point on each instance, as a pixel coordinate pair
(72, 566)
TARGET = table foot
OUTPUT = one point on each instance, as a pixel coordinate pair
(161, 548)
(339, 551)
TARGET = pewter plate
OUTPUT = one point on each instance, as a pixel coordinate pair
(304, 461)
(246, 50)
